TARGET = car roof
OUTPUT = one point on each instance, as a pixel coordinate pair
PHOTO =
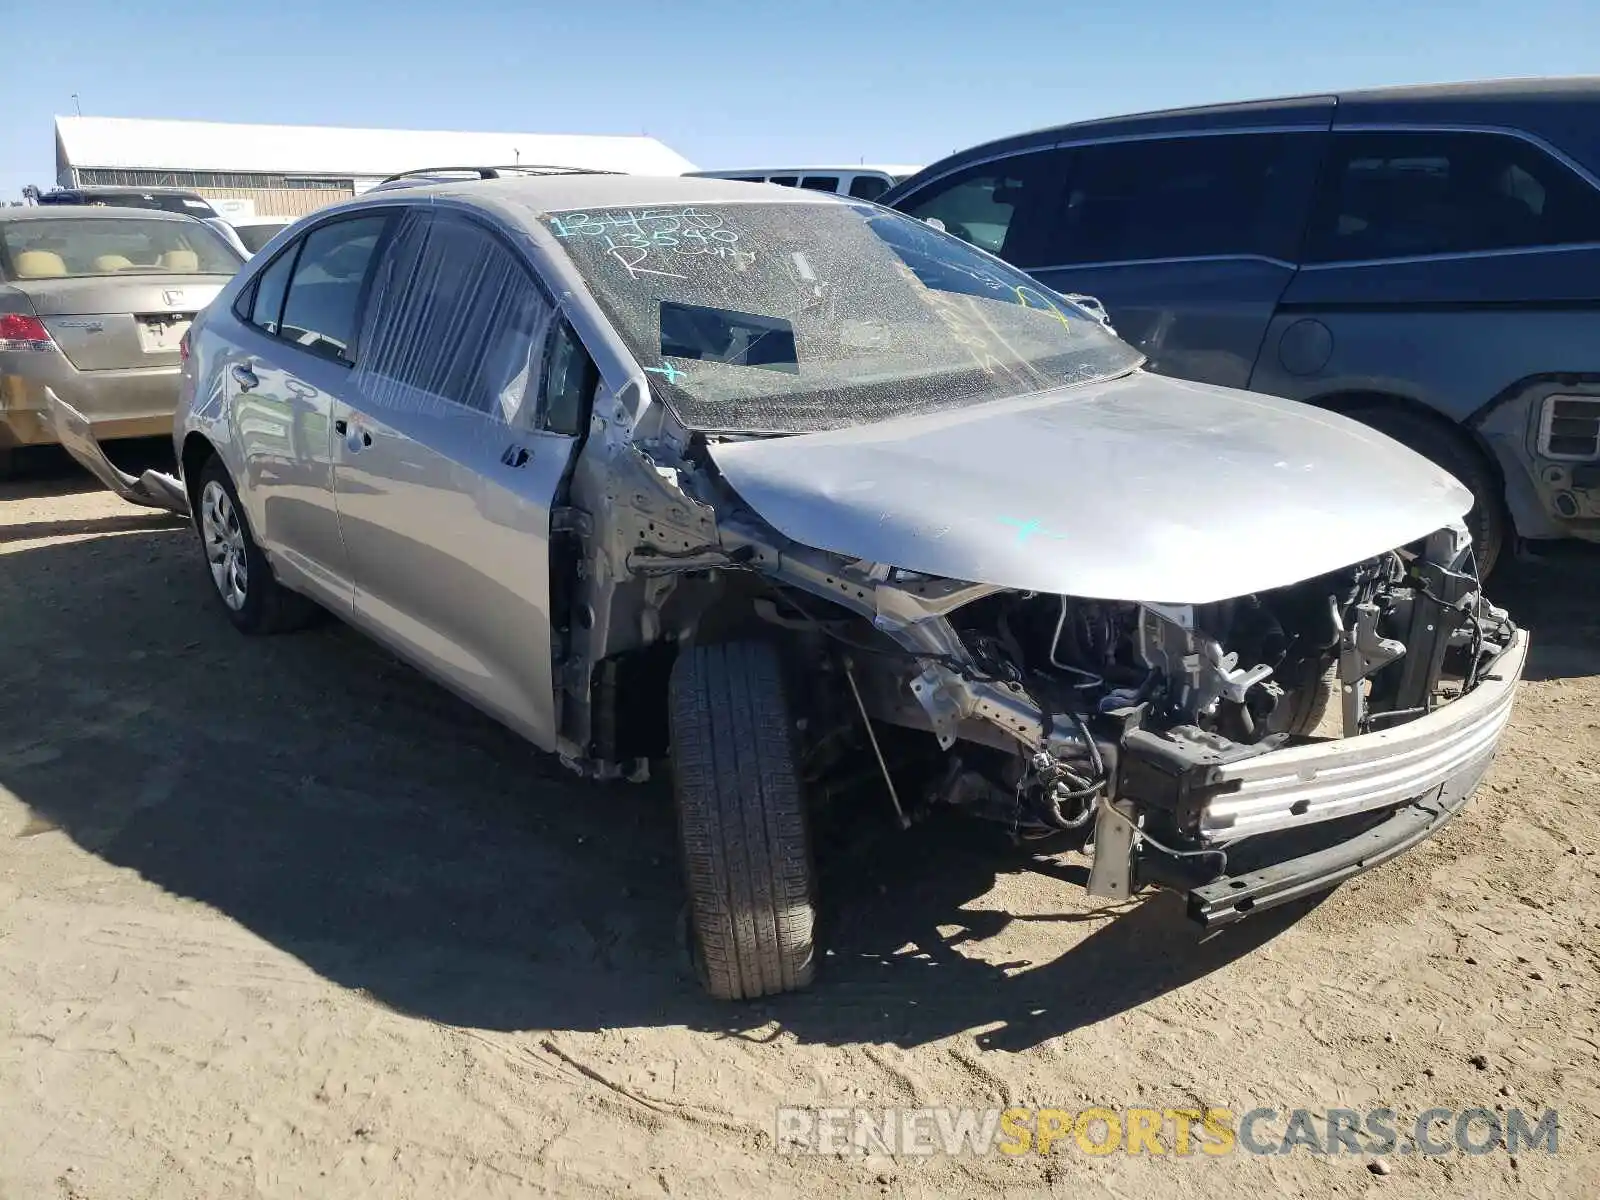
(562, 193)
(848, 169)
(120, 189)
(1580, 87)
(89, 212)
(1531, 103)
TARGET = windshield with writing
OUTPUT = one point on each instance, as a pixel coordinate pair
(791, 318)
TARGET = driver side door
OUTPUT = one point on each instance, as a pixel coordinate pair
(447, 466)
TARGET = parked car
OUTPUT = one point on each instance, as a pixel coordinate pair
(862, 182)
(1422, 259)
(94, 303)
(791, 486)
(163, 199)
(256, 232)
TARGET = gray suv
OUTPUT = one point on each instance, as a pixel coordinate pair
(1425, 259)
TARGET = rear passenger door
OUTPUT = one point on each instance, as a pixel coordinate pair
(292, 351)
(1189, 241)
(449, 454)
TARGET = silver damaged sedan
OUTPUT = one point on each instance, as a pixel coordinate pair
(796, 492)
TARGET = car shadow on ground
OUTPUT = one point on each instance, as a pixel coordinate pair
(346, 810)
(1557, 599)
(41, 471)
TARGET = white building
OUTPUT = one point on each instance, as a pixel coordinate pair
(288, 170)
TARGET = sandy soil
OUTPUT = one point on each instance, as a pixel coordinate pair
(280, 918)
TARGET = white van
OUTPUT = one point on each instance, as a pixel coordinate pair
(861, 181)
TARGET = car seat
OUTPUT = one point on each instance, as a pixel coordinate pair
(39, 264)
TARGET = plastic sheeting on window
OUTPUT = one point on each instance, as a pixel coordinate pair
(455, 317)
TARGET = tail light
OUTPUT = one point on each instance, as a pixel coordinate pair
(18, 333)
(183, 347)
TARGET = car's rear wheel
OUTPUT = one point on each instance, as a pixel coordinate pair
(1448, 448)
(742, 822)
(254, 601)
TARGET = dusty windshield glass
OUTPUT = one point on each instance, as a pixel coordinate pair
(788, 318)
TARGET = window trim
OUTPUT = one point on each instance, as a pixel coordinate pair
(1172, 260)
(1585, 177)
(1321, 127)
(387, 212)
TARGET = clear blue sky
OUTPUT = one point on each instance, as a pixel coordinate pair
(733, 83)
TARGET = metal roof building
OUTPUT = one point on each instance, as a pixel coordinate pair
(288, 170)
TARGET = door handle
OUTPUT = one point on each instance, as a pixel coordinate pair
(342, 428)
(515, 456)
(245, 377)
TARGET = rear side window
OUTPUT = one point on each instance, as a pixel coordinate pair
(456, 316)
(270, 288)
(1004, 208)
(784, 180)
(324, 300)
(1174, 198)
(821, 183)
(867, 187)
(1403, 194)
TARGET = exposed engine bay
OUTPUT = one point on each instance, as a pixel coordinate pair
(1366, 648)
(1053, 714)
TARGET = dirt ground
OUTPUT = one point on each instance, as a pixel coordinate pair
(278, 918)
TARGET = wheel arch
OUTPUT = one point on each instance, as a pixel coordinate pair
(1350, 402)
(197, 450)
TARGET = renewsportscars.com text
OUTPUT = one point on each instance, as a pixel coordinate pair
(1181, 1131)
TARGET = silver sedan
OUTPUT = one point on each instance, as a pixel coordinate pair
(838, 516)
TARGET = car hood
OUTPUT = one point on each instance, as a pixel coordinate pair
(1138, 488)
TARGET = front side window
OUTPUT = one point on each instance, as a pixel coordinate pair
(324, 298)
(71, 248)
(790, 317)
(455, 316)
(821, 183)
(1403, 194)
(1000, 207)
(1174, 198)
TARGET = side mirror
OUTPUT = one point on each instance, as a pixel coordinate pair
(1090, 305)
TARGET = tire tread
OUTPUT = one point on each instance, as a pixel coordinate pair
(742, 822)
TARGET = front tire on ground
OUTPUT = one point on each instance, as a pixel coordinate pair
(241, 578)
(741, 821)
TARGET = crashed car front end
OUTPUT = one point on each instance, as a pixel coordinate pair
(1370, 700)
(1228, 642)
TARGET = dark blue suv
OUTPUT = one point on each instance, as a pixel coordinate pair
(1426, 260)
